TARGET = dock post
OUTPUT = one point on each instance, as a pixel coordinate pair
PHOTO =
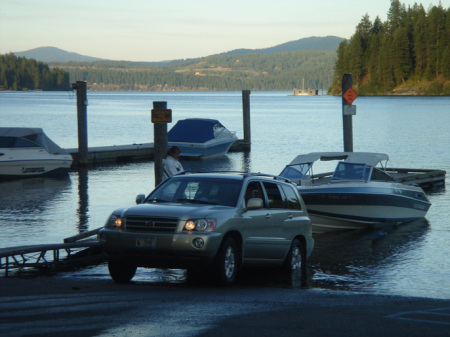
(348, 110)
(160, 139)
(82, 102)
(246, 119)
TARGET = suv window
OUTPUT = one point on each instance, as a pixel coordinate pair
(291, 197)
(254, 190)
(274, 195)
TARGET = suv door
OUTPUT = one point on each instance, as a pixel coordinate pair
(256, 225)
(283, 228)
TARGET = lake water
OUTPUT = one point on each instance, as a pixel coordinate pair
(414, 131)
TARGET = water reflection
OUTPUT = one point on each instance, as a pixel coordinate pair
(83, 204)
(220, 163)
(230, 162)
(355, 260)
(25, 207)
(24, 197)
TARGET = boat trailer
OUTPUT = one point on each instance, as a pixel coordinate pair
(76, 251)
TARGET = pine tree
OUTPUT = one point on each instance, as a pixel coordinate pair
(401, 55)
(396, 16)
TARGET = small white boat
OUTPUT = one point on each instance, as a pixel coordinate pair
(359, 192)
(28, 152)
(201, 137)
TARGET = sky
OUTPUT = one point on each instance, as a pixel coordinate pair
(152, 30)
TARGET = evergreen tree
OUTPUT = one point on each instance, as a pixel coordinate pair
(396, 16)
(436, 39)
(401, 55)
(19, 73)
(419, 40)
(411, 44)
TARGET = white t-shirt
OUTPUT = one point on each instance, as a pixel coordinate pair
(171, 166)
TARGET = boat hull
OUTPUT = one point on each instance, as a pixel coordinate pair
(215, 147)
(346, 206)
(32, 163)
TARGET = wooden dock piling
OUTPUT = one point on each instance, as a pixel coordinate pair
(246, 119)
(80, 86)
(347, 121)
(160, 141)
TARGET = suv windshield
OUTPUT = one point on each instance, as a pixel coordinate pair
(204, 190)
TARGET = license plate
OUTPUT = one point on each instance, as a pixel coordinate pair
(145, 243)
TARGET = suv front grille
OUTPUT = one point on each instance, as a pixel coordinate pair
(150, 225)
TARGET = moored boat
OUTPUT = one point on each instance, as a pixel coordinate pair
(359, 192)
(29, 152)
(201, 137)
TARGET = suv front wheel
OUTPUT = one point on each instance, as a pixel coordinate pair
(121, 271)
(226, 264)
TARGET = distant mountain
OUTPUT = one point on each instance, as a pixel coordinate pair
(52, 54)
(327, 43)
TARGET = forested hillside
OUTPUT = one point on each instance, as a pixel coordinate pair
(280, 71)
(408, 54)
(19, 73)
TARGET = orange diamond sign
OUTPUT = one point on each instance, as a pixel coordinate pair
(350, 95)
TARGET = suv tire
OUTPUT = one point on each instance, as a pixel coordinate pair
(226, 263)
(121, 271)
(295, 264)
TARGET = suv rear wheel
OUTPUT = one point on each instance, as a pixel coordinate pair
(295, 264)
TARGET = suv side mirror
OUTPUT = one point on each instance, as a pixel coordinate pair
(255, 203)
(140, 198)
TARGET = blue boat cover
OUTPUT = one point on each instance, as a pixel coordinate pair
(193, 130)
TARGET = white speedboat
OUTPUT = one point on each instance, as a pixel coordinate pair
(201, 137)
(358, 193)
(28, 152)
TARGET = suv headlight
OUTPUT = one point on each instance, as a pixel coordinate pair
(200, 225)
(114, 221)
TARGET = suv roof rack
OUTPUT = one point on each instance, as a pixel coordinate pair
(245, 174)
(207, 171)
(259, 174)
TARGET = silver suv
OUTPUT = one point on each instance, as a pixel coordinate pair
(211, 223)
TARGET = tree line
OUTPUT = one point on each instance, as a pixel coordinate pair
(20, 73)
(411, 50)
(281, 71)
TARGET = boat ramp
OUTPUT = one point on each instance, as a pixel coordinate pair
(77, 251)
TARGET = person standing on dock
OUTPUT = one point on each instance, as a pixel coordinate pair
(172, 165)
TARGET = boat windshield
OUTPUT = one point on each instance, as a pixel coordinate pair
(295, 172)
(351, 171)
(11, 142)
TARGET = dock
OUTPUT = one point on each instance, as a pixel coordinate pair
(426, 178)
(128, 153)
(115, 154)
